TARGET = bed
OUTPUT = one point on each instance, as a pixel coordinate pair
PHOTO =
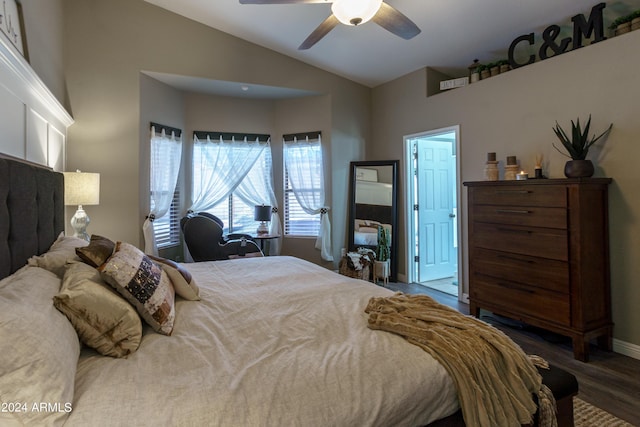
(268, 341)
(365, 232)
(272, 341)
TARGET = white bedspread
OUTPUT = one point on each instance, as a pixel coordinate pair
(368, 239)
(275, 341)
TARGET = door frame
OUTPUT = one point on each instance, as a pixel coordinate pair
(408, 209)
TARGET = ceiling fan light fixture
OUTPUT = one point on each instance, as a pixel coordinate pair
(355, 12)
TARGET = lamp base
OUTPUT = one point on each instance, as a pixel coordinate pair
(79, 223)
(263, 228)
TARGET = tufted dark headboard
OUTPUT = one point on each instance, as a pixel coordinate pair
(31, 212)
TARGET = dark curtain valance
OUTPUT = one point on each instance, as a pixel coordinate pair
(167, 129)
(200, 134)
(303, 136)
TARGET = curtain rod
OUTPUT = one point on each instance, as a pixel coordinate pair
(304, 135)
(167, 129)
(200, 134)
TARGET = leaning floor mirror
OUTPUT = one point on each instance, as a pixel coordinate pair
(373, 210)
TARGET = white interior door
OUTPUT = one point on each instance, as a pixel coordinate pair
(436, 222)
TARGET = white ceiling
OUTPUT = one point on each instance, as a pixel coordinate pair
(454, 32)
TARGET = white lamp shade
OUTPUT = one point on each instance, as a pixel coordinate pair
(81, 188)
(355, 12)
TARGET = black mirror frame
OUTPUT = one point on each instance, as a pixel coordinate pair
(394, 212)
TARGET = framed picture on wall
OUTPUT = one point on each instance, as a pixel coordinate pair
(12, 25)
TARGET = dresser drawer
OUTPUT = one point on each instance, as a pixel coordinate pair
(535, 241)
(522, 215)
(521, 195)
(523, 300)
(538, 272)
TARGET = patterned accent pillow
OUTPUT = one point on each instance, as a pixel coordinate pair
(144, 284)
(102, 318)
(98, 252)
(181, 279)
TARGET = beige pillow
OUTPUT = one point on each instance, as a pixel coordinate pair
(39, 349)
(99, 250)
(367, 230)
(61, 251)
(181, 279)
(103, 319)
(144, 284)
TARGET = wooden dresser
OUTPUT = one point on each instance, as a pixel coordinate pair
(539, 253)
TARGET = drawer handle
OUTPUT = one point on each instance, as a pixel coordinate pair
(513, 191)
(515, 211)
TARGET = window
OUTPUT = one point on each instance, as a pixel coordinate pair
(236, 215)
(308, 158)
(296, 221)
(167, 228)
(165, 152)
(237, 211)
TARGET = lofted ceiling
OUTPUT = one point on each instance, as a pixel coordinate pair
(454, 32)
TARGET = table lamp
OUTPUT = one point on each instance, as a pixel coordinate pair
(81, 188)
(262, 213)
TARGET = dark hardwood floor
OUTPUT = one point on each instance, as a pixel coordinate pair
(609, 380)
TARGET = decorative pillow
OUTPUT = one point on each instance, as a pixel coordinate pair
(367, 230)
(61, 251)
(103, 319)
(144, 284)
(183, 282)
(39, 350)
(99, 250)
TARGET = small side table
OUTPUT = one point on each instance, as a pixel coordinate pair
(381, 271)
(262, 237)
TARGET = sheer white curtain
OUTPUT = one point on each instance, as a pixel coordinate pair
(257, 189)
(218, 168)
(303, 160)
(166, 154)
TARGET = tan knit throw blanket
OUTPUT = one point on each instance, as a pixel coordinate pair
(494, 377)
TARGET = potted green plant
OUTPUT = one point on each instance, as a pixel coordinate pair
(621, 25)
(484, 71)
(504, 66)
(494, 68)
(383, 253)
(577, 147)
(635, 20)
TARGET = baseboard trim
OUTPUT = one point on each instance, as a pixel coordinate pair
(626, 348)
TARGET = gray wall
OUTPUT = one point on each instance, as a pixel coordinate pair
(108, 43)
(44, 23)
(165, 105)
(513, 113)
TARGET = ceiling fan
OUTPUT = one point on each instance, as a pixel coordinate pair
(354, 12)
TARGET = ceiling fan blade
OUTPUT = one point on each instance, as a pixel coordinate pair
(282, 1)
(394, 21)
(322, 30)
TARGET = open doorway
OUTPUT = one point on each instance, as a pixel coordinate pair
(432, 209)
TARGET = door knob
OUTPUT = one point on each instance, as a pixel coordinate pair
(452, 215)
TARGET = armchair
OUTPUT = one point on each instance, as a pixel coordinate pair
(204, 238)
(226, 237)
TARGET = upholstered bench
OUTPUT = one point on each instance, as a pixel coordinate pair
(563, 385)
